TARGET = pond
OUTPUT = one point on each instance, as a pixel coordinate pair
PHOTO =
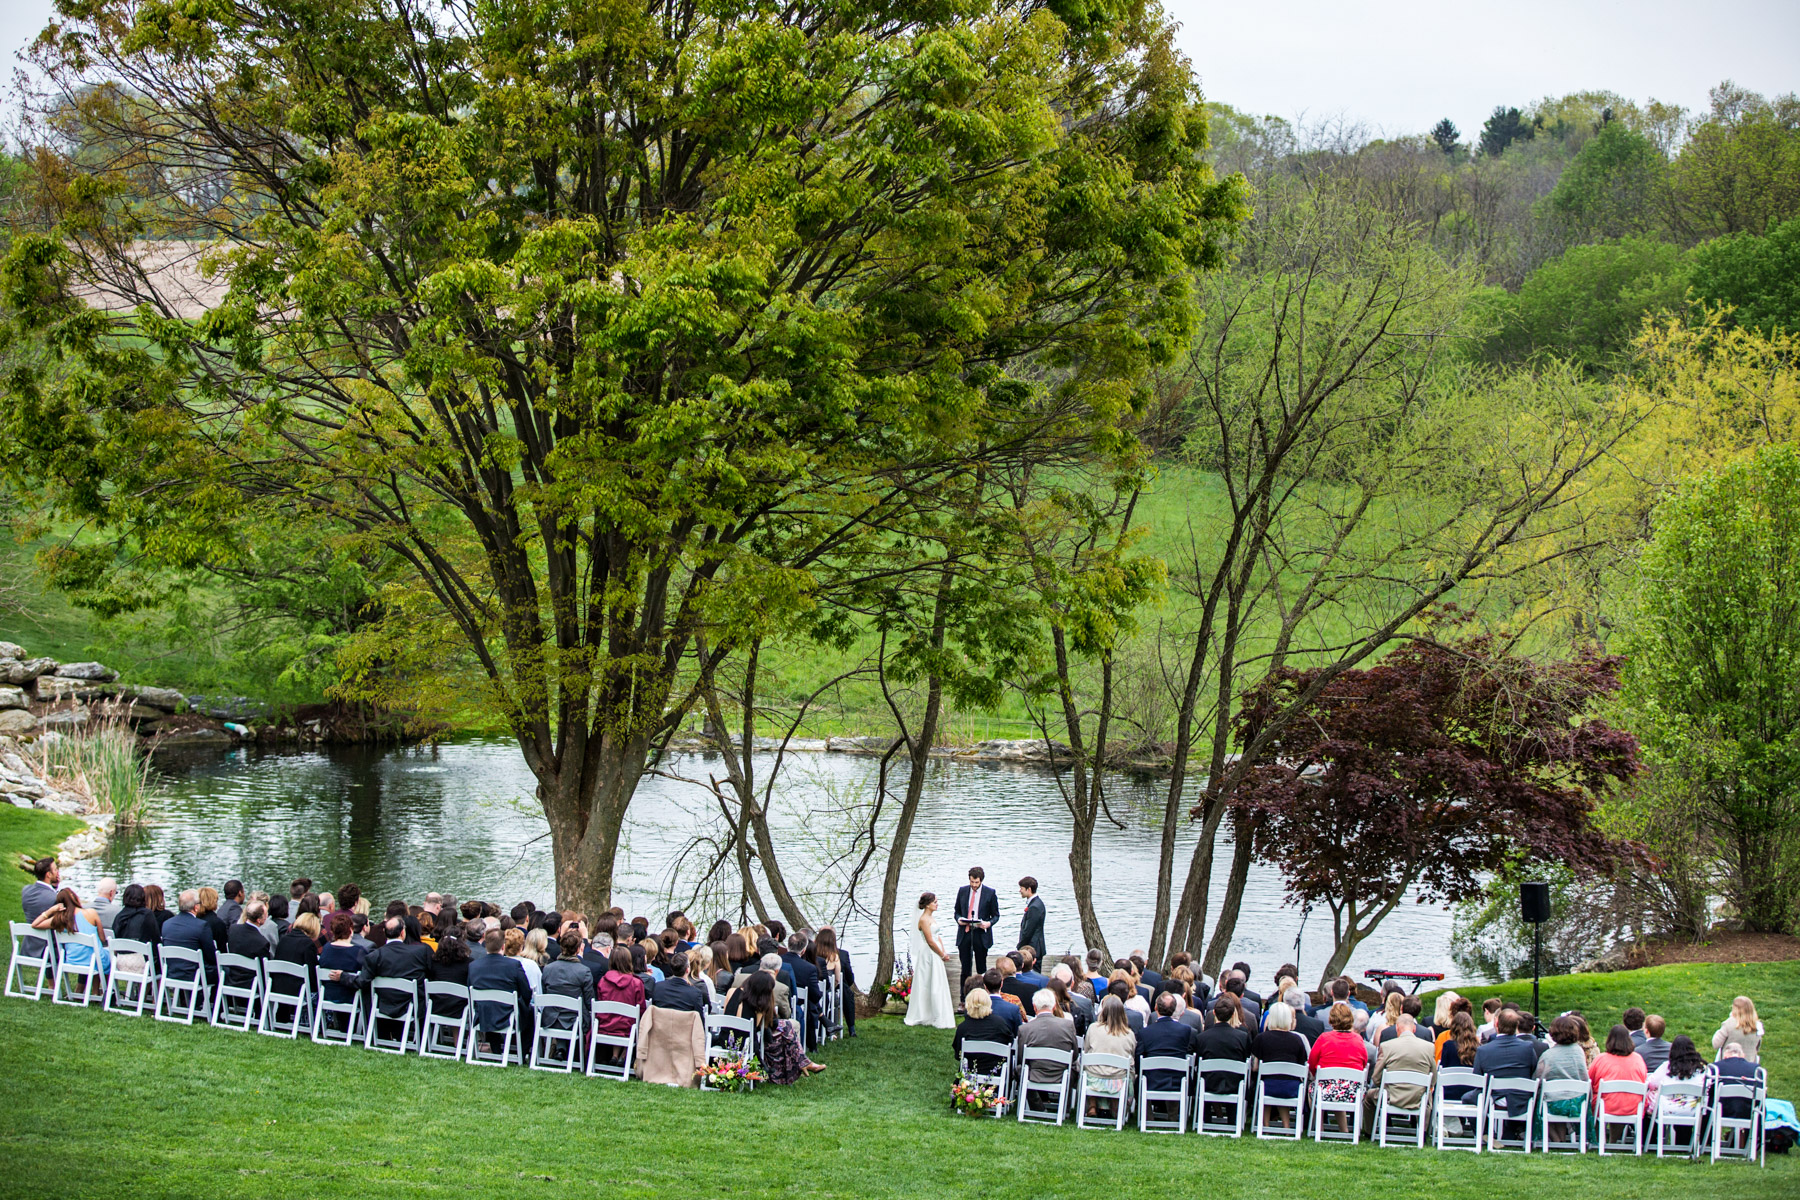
(458, 817)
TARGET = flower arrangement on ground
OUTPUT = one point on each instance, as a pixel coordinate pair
(731, 1074)
(974, 1099)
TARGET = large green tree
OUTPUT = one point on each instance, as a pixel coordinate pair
(613, 323)
(1713, 669)
(1758, 276)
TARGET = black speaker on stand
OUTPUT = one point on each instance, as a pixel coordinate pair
(1534, 908)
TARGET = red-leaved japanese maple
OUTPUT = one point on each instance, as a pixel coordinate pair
(1424, 771)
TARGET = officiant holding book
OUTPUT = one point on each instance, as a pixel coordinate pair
(977, 908)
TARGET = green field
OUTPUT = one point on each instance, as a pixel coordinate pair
(114, 1107)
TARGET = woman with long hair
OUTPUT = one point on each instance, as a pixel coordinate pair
(1742, 1029)
(68, 915)
(1109, 1034)
(158, 905)
(831, 958)
(783, 1057)
(1584, 1037)
(1457, 1046)
(1683, 1066)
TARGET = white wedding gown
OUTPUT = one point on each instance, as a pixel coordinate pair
(930, 1003)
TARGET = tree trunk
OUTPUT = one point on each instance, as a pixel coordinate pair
(585, 805)
(1174, 804)
(1243, 839)
(919, 755)
(742, 773)
(1190, 916)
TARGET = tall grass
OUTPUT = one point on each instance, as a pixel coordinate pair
(102, 764)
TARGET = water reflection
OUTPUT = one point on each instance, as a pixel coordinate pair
(460, 818)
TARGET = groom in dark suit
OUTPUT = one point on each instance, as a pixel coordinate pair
(977, 908)
(1031, 926)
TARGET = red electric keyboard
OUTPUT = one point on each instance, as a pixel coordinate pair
(1414, 977)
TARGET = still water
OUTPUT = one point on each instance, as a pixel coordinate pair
(459, 818)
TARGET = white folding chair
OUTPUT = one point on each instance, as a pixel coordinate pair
(1000, 1076)
(544, 1053)
(1670, 1115)
(438, 1022)
(277, 1000)
(1499, 1115)
(1147, 1120)
(1632, 1121)
(90, 970)
(1065, 1061)
(1121, 1101)
(1726, 1131)
(729, 1039)
(511, 1047)
(1386, 1109)
(32, 950)
(224, 1015)
(1350, 1110)
(801, 1008)
(132, 991)
(602, 1064)
(409, 1020)
(1472, 1088)
(323, 1029)
(193, 993)
(1206, 1102)
(1555, 1091)
(1265, 1102)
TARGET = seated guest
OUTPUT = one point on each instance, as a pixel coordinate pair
(1135, 1000)
(980, 1024)
(1109, 1033)
(497, 971)
(1121, 987)
(1222, 1040)
(1392, 997)
(1339, 1046)
(1458, 1048)
(620, 985)
(1618, 1060)
(1414, 1007)
(1165, 1037)
(135, 920)
(189, 932)
(1564, 1059)
(1633, 1021)
(721, 965)
(1305, 1024)
(450, 964)
(1097, 973)
(1732, 1067)
(719, 931)
(784, 1058)
(1005, 1007)
(1278, 1043)
(1047, 1031)
(1489, 1028)
(1249, 1012)
(1507, 1055)
(277, 924)
(1405, 1051)
(69, 915)
(1654, 1049)
(1684, 1065)
(208, 910)
(1741, 1029)
(340, 960)
(742, 953)
(1028, 967)
(246, 939)
(700, 972)
(1080, 1007)
(771, 965)
(512, 945)
(806, 980)
(677, 991)
(1011, 984)
(153, 900)
(1440, 1020)
(566, 975)
(393, 958)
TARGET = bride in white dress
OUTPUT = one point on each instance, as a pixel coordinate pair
(930, 1003)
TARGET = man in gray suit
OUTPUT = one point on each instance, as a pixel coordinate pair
(36, 897)
(1405, 1051)
(1045, 1031)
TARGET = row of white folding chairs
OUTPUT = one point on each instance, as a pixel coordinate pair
(1502, 1114)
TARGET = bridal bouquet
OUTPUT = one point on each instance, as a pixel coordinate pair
(731, 1074)
(974, 1099)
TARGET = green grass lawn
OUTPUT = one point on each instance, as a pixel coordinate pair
(112, 1107)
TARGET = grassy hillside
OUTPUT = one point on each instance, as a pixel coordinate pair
(134, 1107)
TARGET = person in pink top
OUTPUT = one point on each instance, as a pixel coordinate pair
(1339, 1046)
(1618, 1060)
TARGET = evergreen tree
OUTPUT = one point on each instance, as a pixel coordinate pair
(1446, 135)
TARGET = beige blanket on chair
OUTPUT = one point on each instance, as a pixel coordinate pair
(671, 1046)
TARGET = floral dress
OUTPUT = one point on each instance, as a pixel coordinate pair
(784, 1059)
